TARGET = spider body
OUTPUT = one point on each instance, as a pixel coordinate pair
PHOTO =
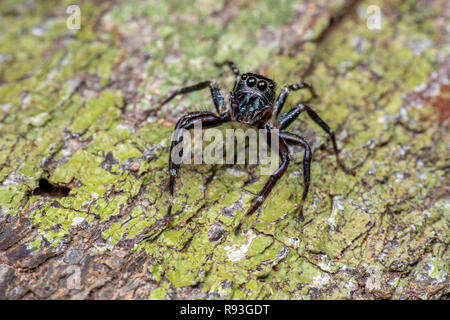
(253, 101)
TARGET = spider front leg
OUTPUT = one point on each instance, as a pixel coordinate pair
(207, 119)
(286, 119)
(230, 64)
(233, 68)
(283, 152)
(279, 103)
(291, 138)
(216, 95)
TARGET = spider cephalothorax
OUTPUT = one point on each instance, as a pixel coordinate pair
(252, 101)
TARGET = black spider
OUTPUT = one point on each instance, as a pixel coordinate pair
(252, 101)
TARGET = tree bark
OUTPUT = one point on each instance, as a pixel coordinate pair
(84, 152)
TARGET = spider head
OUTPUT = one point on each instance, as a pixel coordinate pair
(257, 85)
(254, 96)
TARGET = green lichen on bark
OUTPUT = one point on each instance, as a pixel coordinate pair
(77, 113)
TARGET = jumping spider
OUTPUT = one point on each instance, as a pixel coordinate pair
(252, 101)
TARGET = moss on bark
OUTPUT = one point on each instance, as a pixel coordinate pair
(74, 114)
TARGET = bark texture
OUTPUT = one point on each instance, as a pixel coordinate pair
(83, 153)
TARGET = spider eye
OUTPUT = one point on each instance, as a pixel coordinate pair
(244, 76)
(262, 85)
(251, 82)
(271, 85)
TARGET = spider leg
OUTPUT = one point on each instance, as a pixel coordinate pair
(186, 117)
(207, 119)
(286, 119)
(279, 103)
(283, 152)
(291, 138)
(233, 68)
(216, 95)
